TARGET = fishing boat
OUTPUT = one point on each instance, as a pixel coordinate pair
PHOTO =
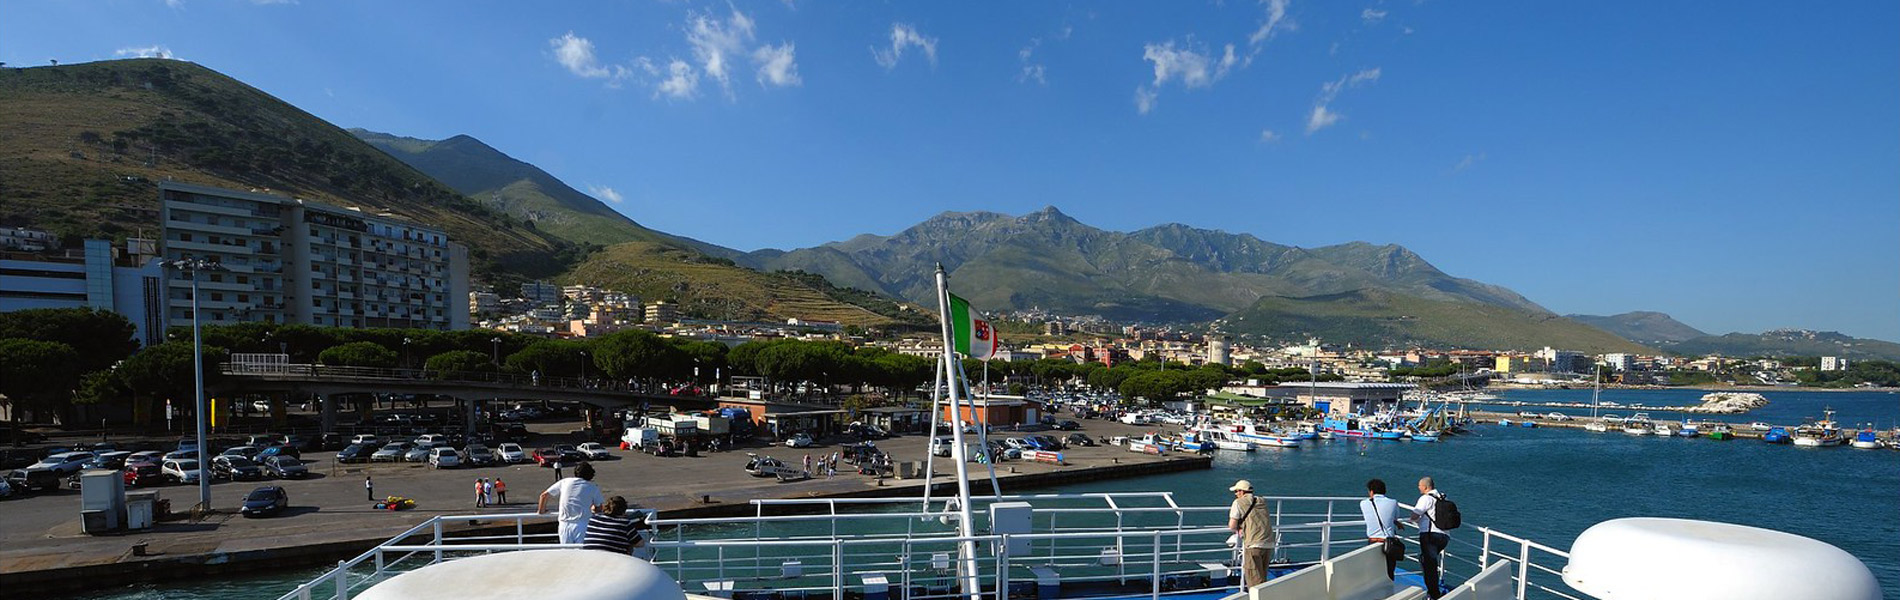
(1777, 435)
(1266, 437)
(1636, 427)
(1721, 432)
(1307, 430)
(1223, 439)
(1824, 432)
(1662, 430)
(1359, 426)
(1689, 429)
(1866, 439)
(1425, 436)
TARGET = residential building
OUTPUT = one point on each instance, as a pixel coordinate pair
(1833, 363)
(481, 303)
(1564, 361)
(1619, 361)
(287, 260)
(541, 292)
(662, 312)
(98, 277)
(27, 240)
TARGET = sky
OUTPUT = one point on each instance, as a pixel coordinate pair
(1736, 164)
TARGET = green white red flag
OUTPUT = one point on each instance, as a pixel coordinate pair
(973, 336)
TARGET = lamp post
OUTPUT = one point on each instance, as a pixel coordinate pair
(405, 352)
(583, 368)
(494, 353)
(192, 267)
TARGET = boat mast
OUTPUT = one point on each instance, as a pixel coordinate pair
(966, 567)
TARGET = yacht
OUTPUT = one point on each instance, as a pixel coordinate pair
(1596, 423)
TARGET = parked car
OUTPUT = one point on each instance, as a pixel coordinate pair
(941, 445)
(285, 467)
(391, 452)
(1017, 443)
(143, 474)
(244, 451)
(263, 439)
(1047, 442)
(278, 449)
(27, 480)
(353, 453)
(798, 440)
(479, 455)
(1068, 426)
(511, 453)
(113, 460)
(1080, 439)
(431, 439)
(191, 454)
(6, 489)
(265, 501)
(181, 470)
(366, 438)
(547, 457)
(331, 441)
(593, 451)
(235, 468)
(63, 463)
(418, 454)
(147, 456)
(444, 457)
(1557, 416)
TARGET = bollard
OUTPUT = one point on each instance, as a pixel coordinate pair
(138, 549)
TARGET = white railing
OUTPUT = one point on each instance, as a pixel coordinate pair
(1125, 545)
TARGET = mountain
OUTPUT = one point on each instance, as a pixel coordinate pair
(715, 288)
(83, 146)
(1788, 342)
(1385, 319)
(1173, 272)
(523, 191)
(1643, 326)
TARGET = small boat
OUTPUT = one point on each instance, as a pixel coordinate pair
(1634, 427)
(1308, 431)
(1596, 426)
(1822, 433)
(1721, 432)
(1425, 436)
(1689, 429)
(1530, 424)
(1223, 439)
(1777, 435)
(1866, 440)
(1504, 422)
(1662, 429)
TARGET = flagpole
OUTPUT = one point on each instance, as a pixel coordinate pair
(930, 458)
(983, 434)
(966, 567)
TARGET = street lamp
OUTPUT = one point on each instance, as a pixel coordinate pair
(192, 267)
(405, 352)
(495, 352)
(583, 368)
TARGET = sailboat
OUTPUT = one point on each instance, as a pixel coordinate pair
(1596, 423)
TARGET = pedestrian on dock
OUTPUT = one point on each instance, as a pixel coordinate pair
(1431, 538)
(501, 491)
(1252, 523)
(1382, 524)
(369, 487)
(578, 498)
(488, 492)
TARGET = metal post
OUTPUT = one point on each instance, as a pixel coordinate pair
(198, 380)
(965, 527)
(342, 577)
(379, 563)
(837, 567)
(1002, 567)
(438, 540)
(1154, 568)
(1484, 554)
(1523, 568)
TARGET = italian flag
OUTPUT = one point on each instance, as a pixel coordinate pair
(973, 336)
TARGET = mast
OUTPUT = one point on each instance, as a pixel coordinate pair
(966, 567)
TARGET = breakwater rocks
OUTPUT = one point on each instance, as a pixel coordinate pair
(1729, 403)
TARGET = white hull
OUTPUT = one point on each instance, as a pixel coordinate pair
(1596, 427)
(1814, 442)
(1636, 430)
(1233, 445)
(1867, 445)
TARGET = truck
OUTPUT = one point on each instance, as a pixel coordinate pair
(675, 426)
(713, 425)
(636, 438)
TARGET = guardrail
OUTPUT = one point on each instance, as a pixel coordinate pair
(429, 375)
(1128, 545)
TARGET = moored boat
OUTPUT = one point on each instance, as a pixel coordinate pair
(1866, 440)
(1634, 427)
(1721, 432)
(1777, 435)
(1819, 434)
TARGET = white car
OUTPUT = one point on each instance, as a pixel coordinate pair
(182, 470)
(1557, 416)
(367, 439)
(511, 453)
(443, 457)
(64, 463)
(798, 440)
(593, 451)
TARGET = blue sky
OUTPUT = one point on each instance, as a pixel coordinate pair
(1736, 165)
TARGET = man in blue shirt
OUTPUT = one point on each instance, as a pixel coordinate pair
(1382, 523)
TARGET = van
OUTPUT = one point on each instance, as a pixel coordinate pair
(941, 445)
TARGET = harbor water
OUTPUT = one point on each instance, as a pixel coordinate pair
(1547, 484)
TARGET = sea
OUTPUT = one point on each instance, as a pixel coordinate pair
(1546, 484)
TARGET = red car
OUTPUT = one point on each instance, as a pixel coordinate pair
(142, 474)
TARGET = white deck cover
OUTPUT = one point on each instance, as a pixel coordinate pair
(567, 574)
(1650, 557)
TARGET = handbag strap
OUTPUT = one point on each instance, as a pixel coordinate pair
(1375, 512)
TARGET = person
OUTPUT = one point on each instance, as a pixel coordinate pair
(501, 491)
(1252, 522)
(578, 498)
(488, 492)
(1431, 539)
(1382, 523)
(557, 470)
(481, 498)
(612, 529)
(369, 487)
(808, 465)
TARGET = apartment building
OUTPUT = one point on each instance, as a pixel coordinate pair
(98, 276)
(295, 261)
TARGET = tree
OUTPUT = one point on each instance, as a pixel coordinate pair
(358, 354)
(37, 376)
(98, 338)
(458, 361)
(553, 358)
(639, 354)
(164, 370)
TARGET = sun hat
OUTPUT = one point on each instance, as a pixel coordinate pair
(1241, 486)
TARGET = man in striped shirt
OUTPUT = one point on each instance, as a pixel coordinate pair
(612, 529)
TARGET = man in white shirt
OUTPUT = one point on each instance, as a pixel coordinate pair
(1382, 523)
(578, 498)
(1431, 539)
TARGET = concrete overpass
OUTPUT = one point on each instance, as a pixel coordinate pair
(301, 380)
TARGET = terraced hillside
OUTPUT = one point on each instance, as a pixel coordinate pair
(714, 288)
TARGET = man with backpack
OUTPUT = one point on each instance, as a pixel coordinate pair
(1435, 516)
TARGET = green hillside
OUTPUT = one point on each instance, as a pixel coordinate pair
(712, 288)
(83, 146)
(1379, 319)
(524, 191)
(1643, 326)
(1787, 342)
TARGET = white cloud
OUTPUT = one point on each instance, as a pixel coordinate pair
(1184, 63)
(681, 82)
(1371, 16)
(154, 51)
(714, 42)
(577, 55)
(1322, 115)
(1274, 22)
(1268, 135)
(1470, 160)
(778, 65)
(904, 36)
(175, 4)
(605, 193)
(1030, 68)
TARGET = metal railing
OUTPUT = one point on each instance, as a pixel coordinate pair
(1110, 544)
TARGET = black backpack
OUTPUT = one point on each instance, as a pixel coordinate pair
(1445, 514)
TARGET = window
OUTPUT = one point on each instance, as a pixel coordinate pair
(184, 237)
(217, 297)
(243, 279)
(217, 278)
(244, 297)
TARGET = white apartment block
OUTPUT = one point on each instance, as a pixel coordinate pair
(1619, 361)
(1833, 363)
(296, 261)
